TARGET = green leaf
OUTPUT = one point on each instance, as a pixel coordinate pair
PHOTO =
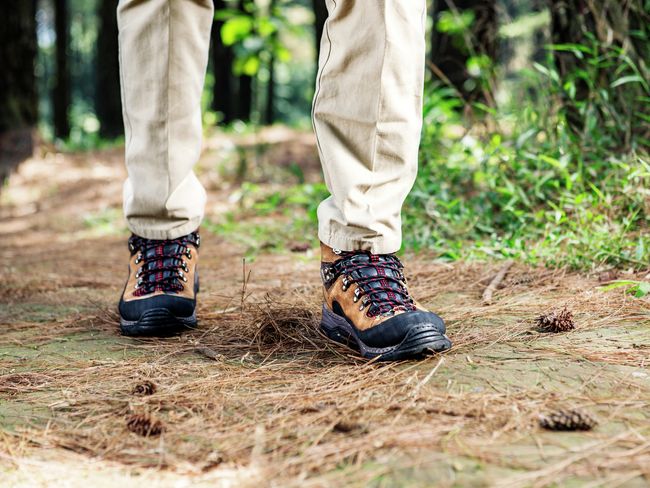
(640, 249)
(642, 289)
(627, 79)
(637, 288)
(455, 22)
(236, 29)
(265, 27)
(250, 66)
(283, 54)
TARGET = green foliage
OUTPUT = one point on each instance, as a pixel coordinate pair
(527, 188)
(272, 36)
(254, 35)
(610, 92)
(455, 22)
(294, 221)
(638, 289)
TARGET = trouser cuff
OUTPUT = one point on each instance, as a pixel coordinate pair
(350, 242)
(154, 231)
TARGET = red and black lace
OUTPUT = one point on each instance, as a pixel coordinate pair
(163, 268)
(379, 279)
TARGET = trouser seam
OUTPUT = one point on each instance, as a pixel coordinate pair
(169, 55)
(379, 106)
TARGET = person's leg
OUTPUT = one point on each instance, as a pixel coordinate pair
(368, 117)
(163, 57)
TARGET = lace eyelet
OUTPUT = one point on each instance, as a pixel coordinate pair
(188, 253)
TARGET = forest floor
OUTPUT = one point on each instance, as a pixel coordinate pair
(256, 396)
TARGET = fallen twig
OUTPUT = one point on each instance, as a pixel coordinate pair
(496, 281)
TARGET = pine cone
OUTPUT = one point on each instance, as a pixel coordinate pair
(523, 279)
(144, 425)
(561, 321)
(567, 420)
(144, 388)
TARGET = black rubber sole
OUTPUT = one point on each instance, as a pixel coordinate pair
(157, 322)
(421, 341)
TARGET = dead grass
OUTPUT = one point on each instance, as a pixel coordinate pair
(257, 395)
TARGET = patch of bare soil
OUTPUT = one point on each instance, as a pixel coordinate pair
(257, 396)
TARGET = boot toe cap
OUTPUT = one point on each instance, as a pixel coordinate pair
(395, 330)
(177, 306)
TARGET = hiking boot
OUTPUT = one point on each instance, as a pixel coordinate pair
(159, 297)
(368, 307)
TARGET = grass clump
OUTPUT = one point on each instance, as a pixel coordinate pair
(518, 181)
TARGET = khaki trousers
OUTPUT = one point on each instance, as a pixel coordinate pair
(366, 115)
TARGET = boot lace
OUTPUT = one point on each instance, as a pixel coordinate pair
(163, 267)
(379, 279)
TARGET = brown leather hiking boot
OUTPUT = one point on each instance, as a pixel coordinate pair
(159, 297)
(368, 307)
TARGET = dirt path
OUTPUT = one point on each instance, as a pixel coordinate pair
(256, 394)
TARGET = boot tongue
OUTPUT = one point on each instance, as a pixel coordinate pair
(328, 255)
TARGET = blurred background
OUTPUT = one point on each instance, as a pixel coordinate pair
(535, 144)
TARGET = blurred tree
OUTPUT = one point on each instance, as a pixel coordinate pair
(108, 104)
(464, 44)
(18, 105)
(245, 92)
(253, 32)
(222, 60)
(320, 16)
(603, 48)
(567, 28)
(269, 114)
(61, 93)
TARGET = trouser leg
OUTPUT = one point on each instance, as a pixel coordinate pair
(367, 116)
(163, 57)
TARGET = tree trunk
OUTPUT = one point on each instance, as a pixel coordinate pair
(269, 113)
(245, 92)
(108, 103)
(245, 98)
(222, 60)
(320, 16)
(61, 95)
(18, 102)
(451, 52)
(269, 116)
